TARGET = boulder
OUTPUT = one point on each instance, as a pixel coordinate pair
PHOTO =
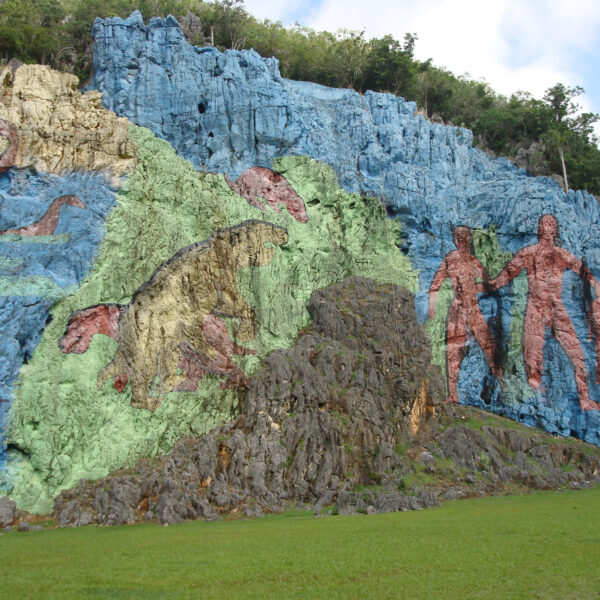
(8, 509)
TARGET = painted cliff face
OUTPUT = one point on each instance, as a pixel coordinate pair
(114, 286)
(48, 239)
(545, 263)
(9, 144)
(429, 178)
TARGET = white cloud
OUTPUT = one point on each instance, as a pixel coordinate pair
(266, 9)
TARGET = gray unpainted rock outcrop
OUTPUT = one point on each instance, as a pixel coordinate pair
(8, 511)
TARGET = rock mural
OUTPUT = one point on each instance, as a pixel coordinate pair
(104, 319)
(545, 264)
(48, 223)
(62, 156)
(156, 251)
(254, 300)
(232, 112)
(58, 127)
(50, 230)
(87, 322)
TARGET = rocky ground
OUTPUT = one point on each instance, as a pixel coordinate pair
(350, 419)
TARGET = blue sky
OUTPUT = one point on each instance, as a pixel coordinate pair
(512, 44)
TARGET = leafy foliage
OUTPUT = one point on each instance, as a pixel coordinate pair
(57, 33)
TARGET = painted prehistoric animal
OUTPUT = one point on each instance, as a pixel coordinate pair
(260, 182)
(166, 315)
(47, 224)
(83, 324)
(104, 319)
(7, 158)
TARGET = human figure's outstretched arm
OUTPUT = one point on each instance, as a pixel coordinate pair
(512, 269)
(577, 266)
(436, 284)
(482, 286)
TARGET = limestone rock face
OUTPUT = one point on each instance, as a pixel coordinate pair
(7, 511)
(62, 156)
(504, 268)
(166, 209)
(58, 127)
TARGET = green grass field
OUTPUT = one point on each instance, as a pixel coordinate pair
(543, 545)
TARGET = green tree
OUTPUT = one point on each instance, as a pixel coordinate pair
(389, 66)
(566, 126)
(433, 90)
(348, 56)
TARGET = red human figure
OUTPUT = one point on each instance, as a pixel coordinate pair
(463, 269)
(545, 263)
(595, 328)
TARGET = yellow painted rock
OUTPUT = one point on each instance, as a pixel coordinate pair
(58, 127)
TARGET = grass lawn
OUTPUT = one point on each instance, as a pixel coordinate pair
(543, 545)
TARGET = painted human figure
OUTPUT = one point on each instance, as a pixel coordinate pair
(465, 317)
(595, 328)
(545, 263)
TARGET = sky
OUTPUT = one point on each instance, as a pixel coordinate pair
(511, 44)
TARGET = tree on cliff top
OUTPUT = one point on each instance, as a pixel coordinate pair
(565, 123)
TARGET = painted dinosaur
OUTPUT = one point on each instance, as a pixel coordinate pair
(166, 314)
(104, 319)
(7, 158)
(47, 224)
(260, 182)
(87, 322)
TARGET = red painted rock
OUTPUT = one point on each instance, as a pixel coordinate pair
(47, 224)
(197, 367)
(85, 323)
(260, 182)
(545, 263)
(465, 318)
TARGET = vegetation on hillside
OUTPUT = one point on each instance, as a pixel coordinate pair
(545, 135)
